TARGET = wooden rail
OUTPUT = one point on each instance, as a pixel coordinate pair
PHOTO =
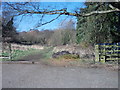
(107, 51)
(6, 47)
(11, 48)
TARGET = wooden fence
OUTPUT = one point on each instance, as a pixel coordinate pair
(107, 52)
(5, 48)
(8, 49)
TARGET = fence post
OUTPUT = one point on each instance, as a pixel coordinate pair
(10, 51)
(103, 54)
(118, 52)
(96, 53)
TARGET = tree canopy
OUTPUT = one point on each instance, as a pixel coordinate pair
(97, 28)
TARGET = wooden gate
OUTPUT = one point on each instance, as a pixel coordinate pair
(107, 52)
(6, 50)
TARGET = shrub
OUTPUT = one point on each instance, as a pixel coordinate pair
(69, 56)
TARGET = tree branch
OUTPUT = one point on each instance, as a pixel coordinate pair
(49, 21)
(11, 5)
(61, 12)
(64, 12)
(22, 4)
(99, 12)
(75, 14)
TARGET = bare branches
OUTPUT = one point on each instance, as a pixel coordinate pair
(53, 12)
(74, 14)
(70, 14)
(36, 10)
(61, 11)
(22, 4)
(112, 7)
(64, 11)
(100, 12)
(49, 21)
(64, 20)
(11, 5)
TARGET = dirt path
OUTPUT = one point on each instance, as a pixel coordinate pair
(42, 76)
(33, 57)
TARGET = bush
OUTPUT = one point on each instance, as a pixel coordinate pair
(70, 56)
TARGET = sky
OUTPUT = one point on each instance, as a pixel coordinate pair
(51, 0)
(26, 23)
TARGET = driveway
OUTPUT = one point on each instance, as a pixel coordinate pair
(44, 76)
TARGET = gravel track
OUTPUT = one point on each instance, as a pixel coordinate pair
(44, 76)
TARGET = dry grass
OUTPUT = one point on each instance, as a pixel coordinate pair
(78, 63)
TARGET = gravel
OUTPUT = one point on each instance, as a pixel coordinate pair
(44, 76)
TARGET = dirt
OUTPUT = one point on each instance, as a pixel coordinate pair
(37, 58)
(34, 57)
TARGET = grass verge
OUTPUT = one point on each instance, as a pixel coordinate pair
(18, 54)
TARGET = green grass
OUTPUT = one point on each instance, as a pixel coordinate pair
(5, 54)
(47, 52)
(18, 54)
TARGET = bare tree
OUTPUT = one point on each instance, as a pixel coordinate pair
(29, 8)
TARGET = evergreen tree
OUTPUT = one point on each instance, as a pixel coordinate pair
(96, 28)
(8, 31)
